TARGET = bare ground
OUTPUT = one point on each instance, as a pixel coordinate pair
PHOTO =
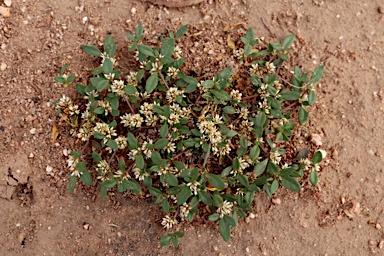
(342, 216)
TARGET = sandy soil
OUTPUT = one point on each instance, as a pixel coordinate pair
(342, 216)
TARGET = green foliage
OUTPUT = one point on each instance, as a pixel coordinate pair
(197, 146)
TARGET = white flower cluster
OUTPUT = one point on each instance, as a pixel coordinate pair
(132, 120)
(225, 209)
(106, 130)
(72, 162)
(169, 222)
(67, 107)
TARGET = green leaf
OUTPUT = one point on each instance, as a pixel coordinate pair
(229, 110)
(274, 186)
(139, 32)
(205, 197)
(164, 130)
(217, 200)
(208, 84)
(183, 196)
(100, 83)
(317, 157)
(152, 82)
(154, 191)
(287, 94)
(225, 230)
(75, 154)
(165, 240)
(160, 143)
(303, 116)
(231, 134)
(288, 41)
(96, 157)
(254, 152)
(60, 79)
(290, 183)
(313, 178)
(311, 97)
(214, 217)
(302, 154)
(181, 31)
(190, 88)
(108, 183)
(242, 179)
(91, 50)
(168, 47)
(317, 75)
(171, 179)
(132, 142)
(103, 192)
(221, 95)
(226, 171)
(165, 205)
(273, 168)
(70, 79)
(80, 89)
(62, 70)
(179, 165)
(215, 181)
(129, 89)
(72, 183)
(283, 56)
(175, 241)
(109, 46)
(231, 221)
(140, 161)
(260, 167)
(113, 144)
(261, 119)
(146, 50)
(85, 176)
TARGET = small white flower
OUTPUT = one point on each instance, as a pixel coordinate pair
(121, 142)
(132, 120)
(172, 72)
(177, 52)
(118, 87)
(193, 185)
(235, 95)
(169, 222)
(225, 209)
(270, 67)
(275, 157)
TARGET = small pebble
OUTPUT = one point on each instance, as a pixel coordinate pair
(8, 3)
(31, 155)
(3, 66)
(370, 152)
(32, 131)
(378, 226)
(49, 169)
(276, 201)
(86, 226)
(316, 139)
(133, 10)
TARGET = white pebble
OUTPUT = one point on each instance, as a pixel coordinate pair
(8, 3)
(31, 155)
(49, 169)
(3, 66)
(133, 10)
(32, 131)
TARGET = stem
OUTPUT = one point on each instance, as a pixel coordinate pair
(85, 146)
(249, 97)
(129, 104)
(110, 159)
(207, 155)
(290, 106)
(165, 82)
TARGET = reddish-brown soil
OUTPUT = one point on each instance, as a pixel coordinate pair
(343, 215)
